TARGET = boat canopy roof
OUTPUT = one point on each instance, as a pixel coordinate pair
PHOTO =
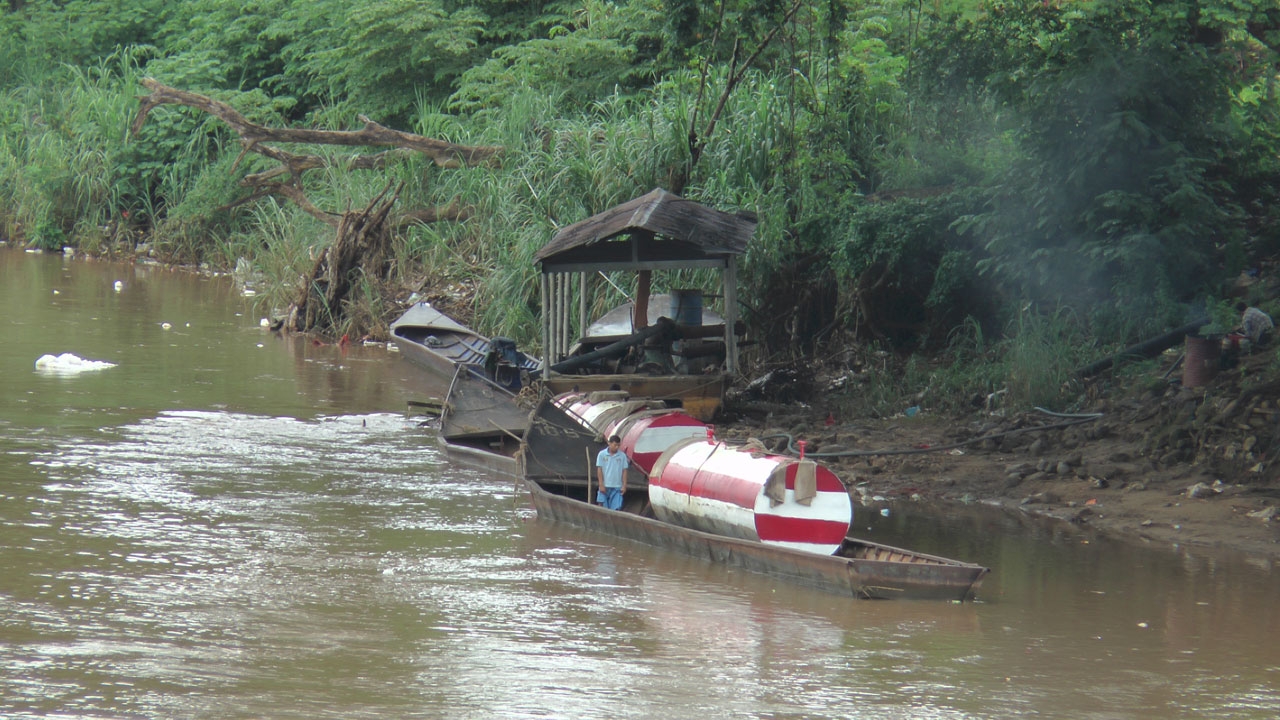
(657, 230)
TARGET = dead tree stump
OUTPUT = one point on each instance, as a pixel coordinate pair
(361, 249)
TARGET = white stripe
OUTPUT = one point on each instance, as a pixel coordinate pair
(806, 547)
(658, 439)
(827, 505)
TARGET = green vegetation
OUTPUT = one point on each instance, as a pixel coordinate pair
(990, 193)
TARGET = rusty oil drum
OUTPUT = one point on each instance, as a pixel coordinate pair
(1201, 364)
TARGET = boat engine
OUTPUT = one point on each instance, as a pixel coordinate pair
(502, 363)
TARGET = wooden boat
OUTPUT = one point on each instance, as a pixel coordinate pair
(440, 344)
(860, 568)
(554, 461)
(501, 462)
(482, 424)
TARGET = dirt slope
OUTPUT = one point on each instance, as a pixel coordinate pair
(1161, 462)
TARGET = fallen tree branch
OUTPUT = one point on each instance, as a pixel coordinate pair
(362, 238)
(444, 154)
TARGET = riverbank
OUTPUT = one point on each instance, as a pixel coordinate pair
(1158, 464)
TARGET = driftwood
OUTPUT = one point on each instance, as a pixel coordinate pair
(362, 238)
(445, 154)
(362, 246)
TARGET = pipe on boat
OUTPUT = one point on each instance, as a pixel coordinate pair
(739, 492)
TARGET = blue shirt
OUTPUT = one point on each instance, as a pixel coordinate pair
(613, 464)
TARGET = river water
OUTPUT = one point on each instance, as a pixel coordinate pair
(234, 524)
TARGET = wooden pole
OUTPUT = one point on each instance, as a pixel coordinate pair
(730, 280)
(555, 317)
(546, 331)
(582, 304)
(568, 312)
(587, 450)
(644, 281)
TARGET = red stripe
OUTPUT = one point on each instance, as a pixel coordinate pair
(827, 481)
(781, 528)
(644, 461)
(707, 484)
(726, 488)
(675, 479)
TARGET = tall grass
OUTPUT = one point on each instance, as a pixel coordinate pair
(62, 163)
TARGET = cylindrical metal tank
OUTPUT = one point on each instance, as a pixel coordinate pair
(646, 435)
(647, 428)
(686, 307)
(1201, 365)
(736, 492)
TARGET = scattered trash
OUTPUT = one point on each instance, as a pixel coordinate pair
(118, 286)
(69, 364)
(1266, 514)
(264, 323)
(884, 512)
(165, 326)
(912, 411)
(956, 451)
(1202, 490)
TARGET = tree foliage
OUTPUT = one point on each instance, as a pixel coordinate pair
(912, 164)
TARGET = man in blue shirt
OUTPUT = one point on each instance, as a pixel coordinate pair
(611, 472)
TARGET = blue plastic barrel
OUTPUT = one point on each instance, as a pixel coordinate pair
(686, 307)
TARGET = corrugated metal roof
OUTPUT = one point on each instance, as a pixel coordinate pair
(698, 231)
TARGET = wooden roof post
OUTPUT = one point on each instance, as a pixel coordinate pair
(730, 280)
(582, 303)
(546, 329)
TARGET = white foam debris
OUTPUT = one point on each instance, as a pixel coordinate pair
(69, 364)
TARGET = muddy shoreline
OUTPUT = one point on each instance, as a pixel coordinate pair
(1110, 476)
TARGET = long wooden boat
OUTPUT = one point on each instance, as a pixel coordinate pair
(441, 344)
(859, 569)
(501, 461)
(482, 424)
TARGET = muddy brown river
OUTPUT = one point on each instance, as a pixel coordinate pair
(228, 523)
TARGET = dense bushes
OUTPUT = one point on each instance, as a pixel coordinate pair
(921, 173)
